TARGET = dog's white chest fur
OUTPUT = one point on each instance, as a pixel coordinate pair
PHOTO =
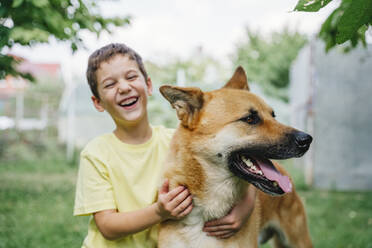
(218, 200)
(189, 234)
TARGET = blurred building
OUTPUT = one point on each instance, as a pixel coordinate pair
(11, 85)
(331, 98)
(79, 121)
(12, 90)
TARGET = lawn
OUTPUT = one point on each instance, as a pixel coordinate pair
(36, 206)
(36, 201)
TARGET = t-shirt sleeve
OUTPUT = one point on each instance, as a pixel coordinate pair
(94, 190)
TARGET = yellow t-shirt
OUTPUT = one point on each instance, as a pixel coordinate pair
(116, 175)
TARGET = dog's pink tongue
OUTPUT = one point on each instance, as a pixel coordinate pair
(272, 174)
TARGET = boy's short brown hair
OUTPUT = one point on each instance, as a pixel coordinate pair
(104, 54)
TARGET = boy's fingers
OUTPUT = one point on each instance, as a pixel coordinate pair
(175, 192)
(180, 197)
(186, 211)
(218, 222)
(183, 205)
(220, 233)
(218, 228)
(226, 235)
(165, 187)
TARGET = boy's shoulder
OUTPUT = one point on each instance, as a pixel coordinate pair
(101, 145)
(164, 130)
(97, 144)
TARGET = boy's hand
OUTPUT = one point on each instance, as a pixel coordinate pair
(227, 226)
(174, 204)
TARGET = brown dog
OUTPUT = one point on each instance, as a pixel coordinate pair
(223, 144)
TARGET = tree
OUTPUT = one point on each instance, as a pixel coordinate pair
(197, 69)
(348, 22)
(29, 22)
(267, 59)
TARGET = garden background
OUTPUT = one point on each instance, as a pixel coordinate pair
(292, 52)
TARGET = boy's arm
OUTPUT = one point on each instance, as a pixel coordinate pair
(227, 226)
(173, 204)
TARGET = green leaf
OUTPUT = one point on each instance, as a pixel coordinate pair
(348, 22)
(40, 3)
(17, 3)
(74, 47)
(311, 5)
(361, 33)
(328, 30)
(357, 13)
(24, 36)
(4, 35)
(37, 20)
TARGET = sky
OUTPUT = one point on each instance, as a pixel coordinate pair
(167, 28)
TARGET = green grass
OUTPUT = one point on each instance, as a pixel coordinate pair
(36, 205)
(36, 202)
(339, 219)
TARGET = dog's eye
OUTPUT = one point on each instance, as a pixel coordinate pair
(251, 119)
(273, 114)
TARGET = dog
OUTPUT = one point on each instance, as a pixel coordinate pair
(222, 145)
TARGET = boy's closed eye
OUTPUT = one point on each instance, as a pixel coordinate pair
(131, 77)
(109, 84)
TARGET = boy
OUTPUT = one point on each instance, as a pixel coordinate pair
(119, 172)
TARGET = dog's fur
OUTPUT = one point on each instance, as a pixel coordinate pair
(213, 127)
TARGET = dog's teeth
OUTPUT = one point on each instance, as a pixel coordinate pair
(248, 162)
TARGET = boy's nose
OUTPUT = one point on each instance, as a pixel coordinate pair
(124, 87)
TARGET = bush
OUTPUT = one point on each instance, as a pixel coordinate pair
(31, 147)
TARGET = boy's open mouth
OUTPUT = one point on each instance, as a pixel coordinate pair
(126, 103)
(261, 173)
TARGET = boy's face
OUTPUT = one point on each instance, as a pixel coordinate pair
(123, 90)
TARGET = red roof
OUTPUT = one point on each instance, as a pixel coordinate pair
(37, 69)
(10, 85)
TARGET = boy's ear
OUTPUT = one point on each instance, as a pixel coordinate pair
(97, 104)
(149, 86)
(238, 80)
(186, 101)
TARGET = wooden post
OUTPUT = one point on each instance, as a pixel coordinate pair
(310, 128)
(19, 109)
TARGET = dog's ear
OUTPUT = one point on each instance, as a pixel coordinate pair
(238, 80)
(186, 101)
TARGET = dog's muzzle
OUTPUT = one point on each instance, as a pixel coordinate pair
(302, 140)
(252, 163)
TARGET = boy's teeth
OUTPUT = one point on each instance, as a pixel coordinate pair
(127, 102)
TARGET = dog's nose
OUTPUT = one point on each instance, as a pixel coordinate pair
(303, 139)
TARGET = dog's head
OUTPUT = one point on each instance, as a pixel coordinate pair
(236, 130)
